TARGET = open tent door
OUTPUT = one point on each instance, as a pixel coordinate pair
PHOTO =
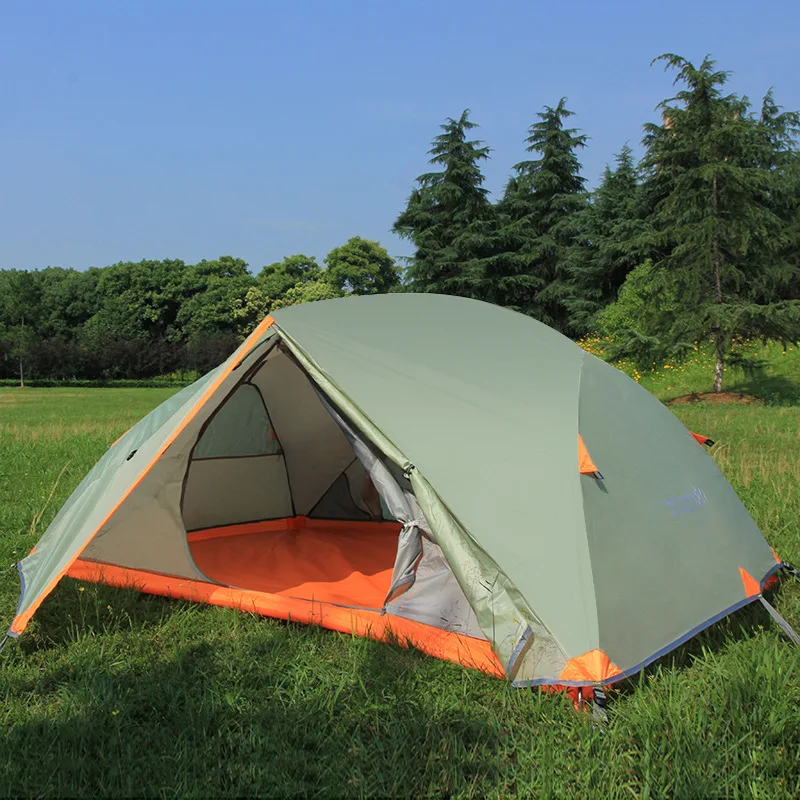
(307, 509)
(275, 499)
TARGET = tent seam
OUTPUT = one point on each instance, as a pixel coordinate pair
(579, 478)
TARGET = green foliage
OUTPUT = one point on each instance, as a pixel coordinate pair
(307, 292)
(631, 323)
(150, 318)
(442, 209)
(711, 172)
(539, 215)
(249, 310)
(276, 279)
(609, 229)
(361, 267)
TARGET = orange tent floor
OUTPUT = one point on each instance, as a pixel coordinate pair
(330, 561)
(329, 573)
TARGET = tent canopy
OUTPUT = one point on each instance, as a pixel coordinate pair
(427, 467)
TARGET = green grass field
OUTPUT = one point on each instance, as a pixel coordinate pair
(114, 693)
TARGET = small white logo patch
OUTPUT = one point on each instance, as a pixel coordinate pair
(687, 503)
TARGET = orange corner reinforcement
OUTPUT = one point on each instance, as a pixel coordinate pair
(592, 666)
(585, 464)
(751, 586)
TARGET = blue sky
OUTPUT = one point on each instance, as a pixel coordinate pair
(261, 129)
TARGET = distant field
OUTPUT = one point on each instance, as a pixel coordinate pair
(111, 692)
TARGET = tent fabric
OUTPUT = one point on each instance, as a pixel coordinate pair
(121, 470)
(459, 420)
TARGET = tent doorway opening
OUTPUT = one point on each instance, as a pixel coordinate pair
(275, 499)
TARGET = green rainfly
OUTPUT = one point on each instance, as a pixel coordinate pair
(466, 417)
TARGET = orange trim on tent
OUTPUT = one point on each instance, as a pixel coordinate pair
(447, 645)
(700, 438)
(775, 555)
(751, 586)
(592, 666)
(21, 620)
(585, 464)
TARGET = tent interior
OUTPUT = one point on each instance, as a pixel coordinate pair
(276, 500)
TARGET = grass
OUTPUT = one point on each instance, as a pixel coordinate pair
(114, 693)
(776, 381)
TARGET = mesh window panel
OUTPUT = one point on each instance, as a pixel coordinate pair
(241, 427)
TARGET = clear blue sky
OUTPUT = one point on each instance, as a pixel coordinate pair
(260, 129)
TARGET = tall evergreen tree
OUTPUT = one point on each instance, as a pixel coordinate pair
(718, 237)
(778, 153)
(611, 227)
(441, 209)
(539, 213)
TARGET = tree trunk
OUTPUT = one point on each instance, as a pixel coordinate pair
(719, 336)
(720, 349)
(21, 345)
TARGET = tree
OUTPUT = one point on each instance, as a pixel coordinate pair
(361, 266)
(631, 322)
(68, 300)
(307, 292)
(778, 154)
(140, 300)
(211, 293)
(442, 208)
(249, 310)
(22, 304)
(611, 227)
(539, 211)
(276, 279)
(718, 236)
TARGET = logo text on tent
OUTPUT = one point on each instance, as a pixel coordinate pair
(686, 503)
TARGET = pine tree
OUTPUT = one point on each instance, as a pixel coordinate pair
(442, 208)
(718, 237)
(611, 228)
(778, 154)
(538, 232)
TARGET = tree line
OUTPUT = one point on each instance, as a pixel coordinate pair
(698, 241)
(152, 318)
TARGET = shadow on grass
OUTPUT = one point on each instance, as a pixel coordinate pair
(155, 697)
(120, 693)
(245, 719)
(772, 389)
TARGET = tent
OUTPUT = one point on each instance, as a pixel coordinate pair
(428, 469)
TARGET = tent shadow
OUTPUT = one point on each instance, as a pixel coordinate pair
(278, 723)
(76, 610)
